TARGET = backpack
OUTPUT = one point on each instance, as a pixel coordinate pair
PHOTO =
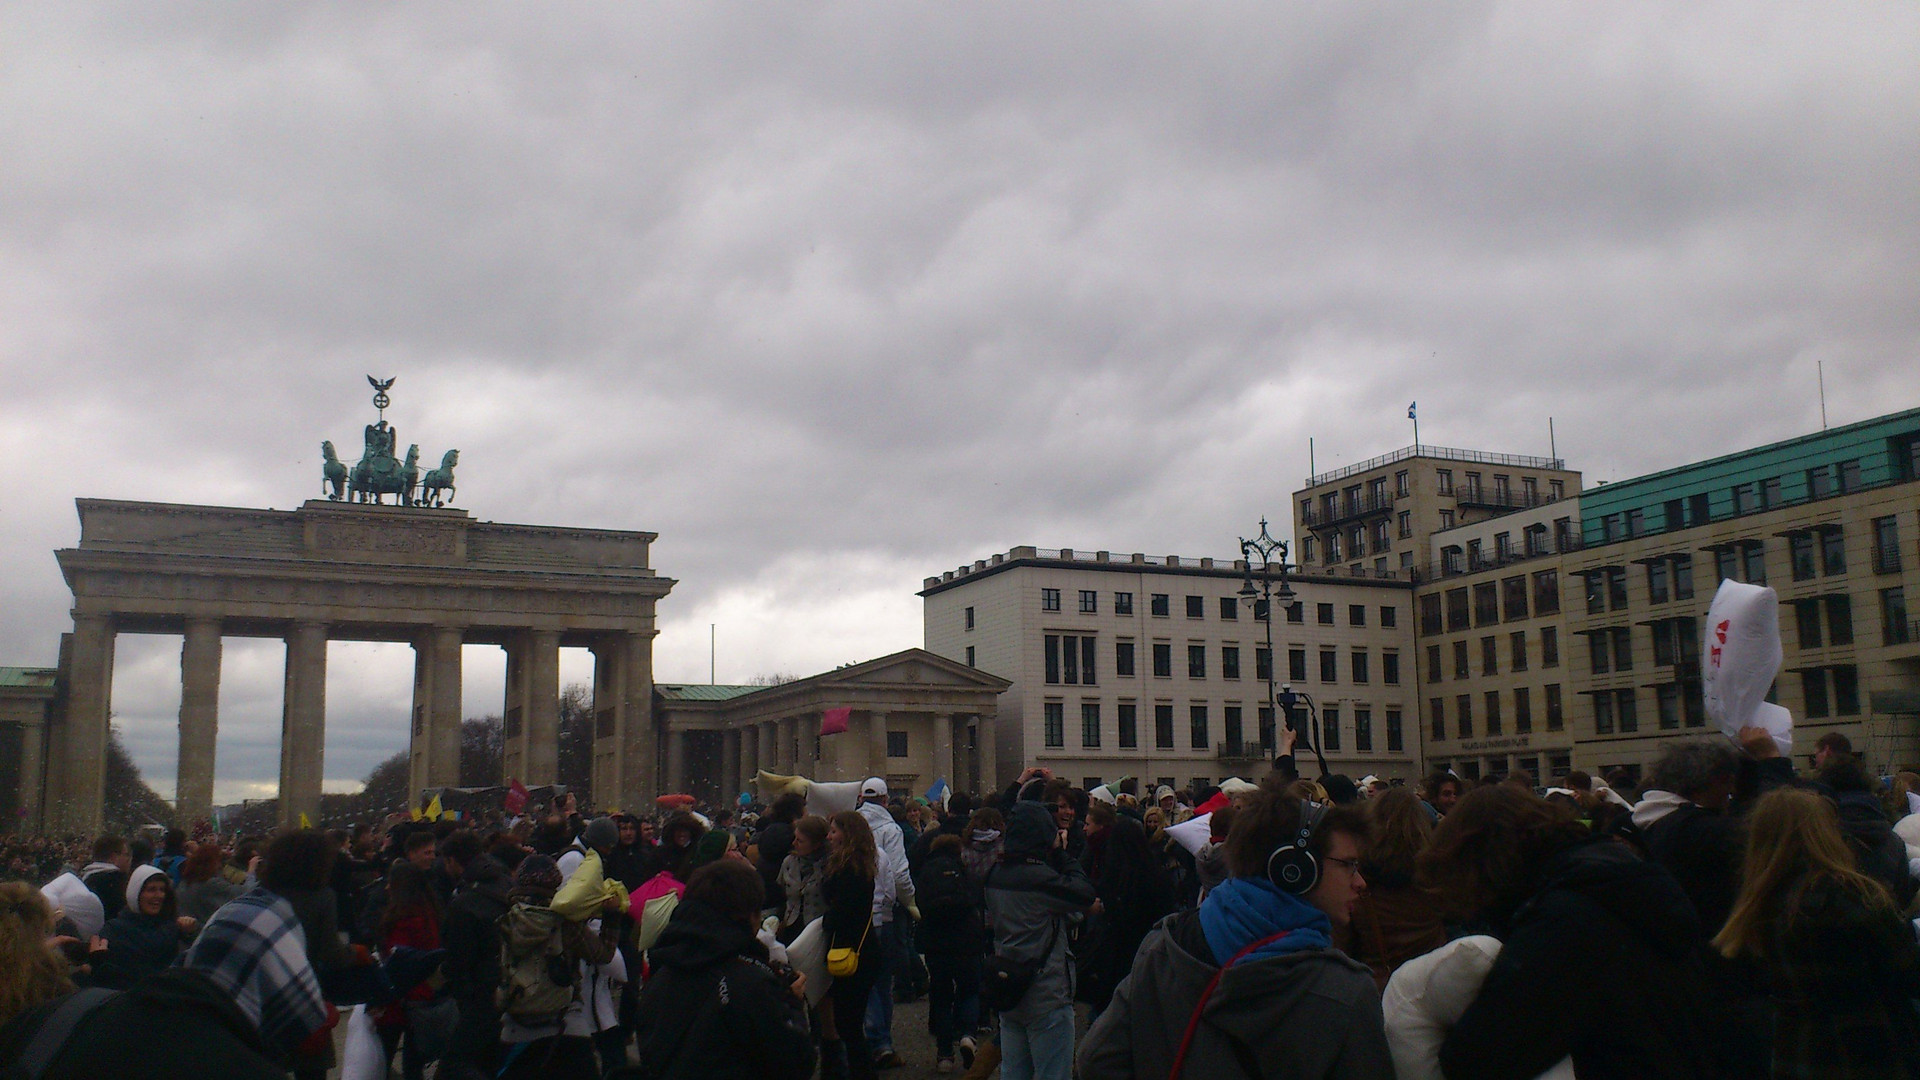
(537, 976)
(942, 885)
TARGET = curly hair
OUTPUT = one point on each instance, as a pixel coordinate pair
(30, 972)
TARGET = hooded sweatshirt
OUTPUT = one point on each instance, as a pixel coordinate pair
(1291, 1007)
(714, 1008)
(138, 945)
(1027, 900)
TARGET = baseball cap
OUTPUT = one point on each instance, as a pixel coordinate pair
(873, 787)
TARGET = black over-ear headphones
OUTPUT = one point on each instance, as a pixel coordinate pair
(1292, 867)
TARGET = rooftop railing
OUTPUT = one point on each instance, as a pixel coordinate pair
(1448, 453)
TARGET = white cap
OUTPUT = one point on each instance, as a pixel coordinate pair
(1163, 792)
(1368, 780)
(873, 787)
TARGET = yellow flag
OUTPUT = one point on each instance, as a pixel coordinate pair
(304, 823)
(433, 809)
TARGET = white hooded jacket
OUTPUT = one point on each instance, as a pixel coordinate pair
(891, 880)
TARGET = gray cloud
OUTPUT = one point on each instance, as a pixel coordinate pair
(833, 298)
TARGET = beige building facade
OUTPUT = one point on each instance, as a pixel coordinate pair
(1122, 665)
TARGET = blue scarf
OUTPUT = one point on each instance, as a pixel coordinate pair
(1241, 911)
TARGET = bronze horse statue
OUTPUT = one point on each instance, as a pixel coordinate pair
(333, 473)
(439, 480)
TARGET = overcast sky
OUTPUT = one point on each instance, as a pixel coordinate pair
(834, 297)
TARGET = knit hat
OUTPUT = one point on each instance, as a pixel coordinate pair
(537, 874)
(711, 847)
(600, 834)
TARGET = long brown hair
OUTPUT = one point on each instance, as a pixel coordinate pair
(1794, 842)
(856, 850)
(30, 973)
(1487, 854)
(1398, 829)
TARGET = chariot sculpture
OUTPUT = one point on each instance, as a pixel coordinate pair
(379, 473)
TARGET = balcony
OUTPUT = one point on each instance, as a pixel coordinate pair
(1482, 498)
(1886, 560)
(1347, 510)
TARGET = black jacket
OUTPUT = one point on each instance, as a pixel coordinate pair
(472, 966)
(952, 909)
(176, 1024)
(1880, 854)
(1703, 851)
(774, 842)
(714, 1008)
(1601, 963)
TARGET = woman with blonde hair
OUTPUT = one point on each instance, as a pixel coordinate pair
(30, 971)
(1842, 965)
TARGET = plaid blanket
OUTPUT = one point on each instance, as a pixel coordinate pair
(254, 949)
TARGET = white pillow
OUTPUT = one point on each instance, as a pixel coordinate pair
(1428, 995)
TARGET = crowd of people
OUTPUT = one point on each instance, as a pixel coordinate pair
(1730, 918)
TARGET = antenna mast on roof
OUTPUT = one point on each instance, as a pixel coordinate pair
(1820, 368)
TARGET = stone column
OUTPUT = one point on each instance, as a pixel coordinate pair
(943, 759)
(303, 725)
(749, 753)
(199, 719)
(676, 779)
(543, 708)
(606, 716)
(876, 744)
(513, 718)
(984, 728)
(33, 765)
(789, 757)
(82, 788)
(806, 729)
(640, 775)
(443, 710)
(731, 771)
(769, 746)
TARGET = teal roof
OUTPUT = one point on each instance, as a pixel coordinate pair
(702, 691)
(36, 677)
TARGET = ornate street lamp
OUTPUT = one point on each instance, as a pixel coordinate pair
(1272, 556)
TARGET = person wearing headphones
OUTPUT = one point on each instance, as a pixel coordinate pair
(1249, 984)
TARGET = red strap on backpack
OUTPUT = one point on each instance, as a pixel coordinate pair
(1193, 1022)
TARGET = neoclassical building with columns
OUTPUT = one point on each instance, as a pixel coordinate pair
(915, 718)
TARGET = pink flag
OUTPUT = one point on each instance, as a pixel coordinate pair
(516, 799)
(834, 721)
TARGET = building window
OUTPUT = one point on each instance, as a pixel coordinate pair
(1744, 500)
(970, 662)
(1807, 621)
(1430, 614)
(1846, 690)
(1819, 482)
(1196, 607)
(1070, 659)
(1636, 523)
(1229, 661)
(1049, 599)
(1602, 713)
(1360, 673)
(1123, 659)
(1390, 668)
(1389, 616)
(1406, 524)
(1813, 689)
(1163, 727)
(1753, 556)
(1229, 608)
(1457, 610)
(1599, 651)
(1622, 648)
(1546, 592)
(1444, 481)
(1493, 713)
(1330, 729)
(1196, 661)
(1833, 551)
(1626, 711)
(1262, 662)
(1666, 703)
(1437, 717)
(1129, 734)
(1522, 710)
(1556, 720)
(1363, 731)
(1356, 614)
(1549, 646)
(1197, 721)
(1513, 597)
(1489, 655)
(1461, 668)
(1297, 612)
(1517, 650)
(1894, 627)
(1123, 603)
(1616, 587)
(1401, 485)
(1433, 663)
(1089, 602)
(1463, 715)
(1446, 519)
(1306, 548)
(1886, 545)
(1158, 604)
(1657, 586)
(1055, 713)
(1325, 614)
(1486, 604)
(969, 618)
(1162, 660)
(1329, 666)
(1396, 741)
(1297, 665)
(1090, 725)
(1682, 576)
(1800, 555)
(897, 744)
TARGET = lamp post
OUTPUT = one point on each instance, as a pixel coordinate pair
(1272, 555)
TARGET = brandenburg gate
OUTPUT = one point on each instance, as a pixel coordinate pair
(354, 568)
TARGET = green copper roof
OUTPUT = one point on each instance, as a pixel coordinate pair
(702, 691)
(37, 677)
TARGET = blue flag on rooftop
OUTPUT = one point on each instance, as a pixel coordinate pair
(1410, 408)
